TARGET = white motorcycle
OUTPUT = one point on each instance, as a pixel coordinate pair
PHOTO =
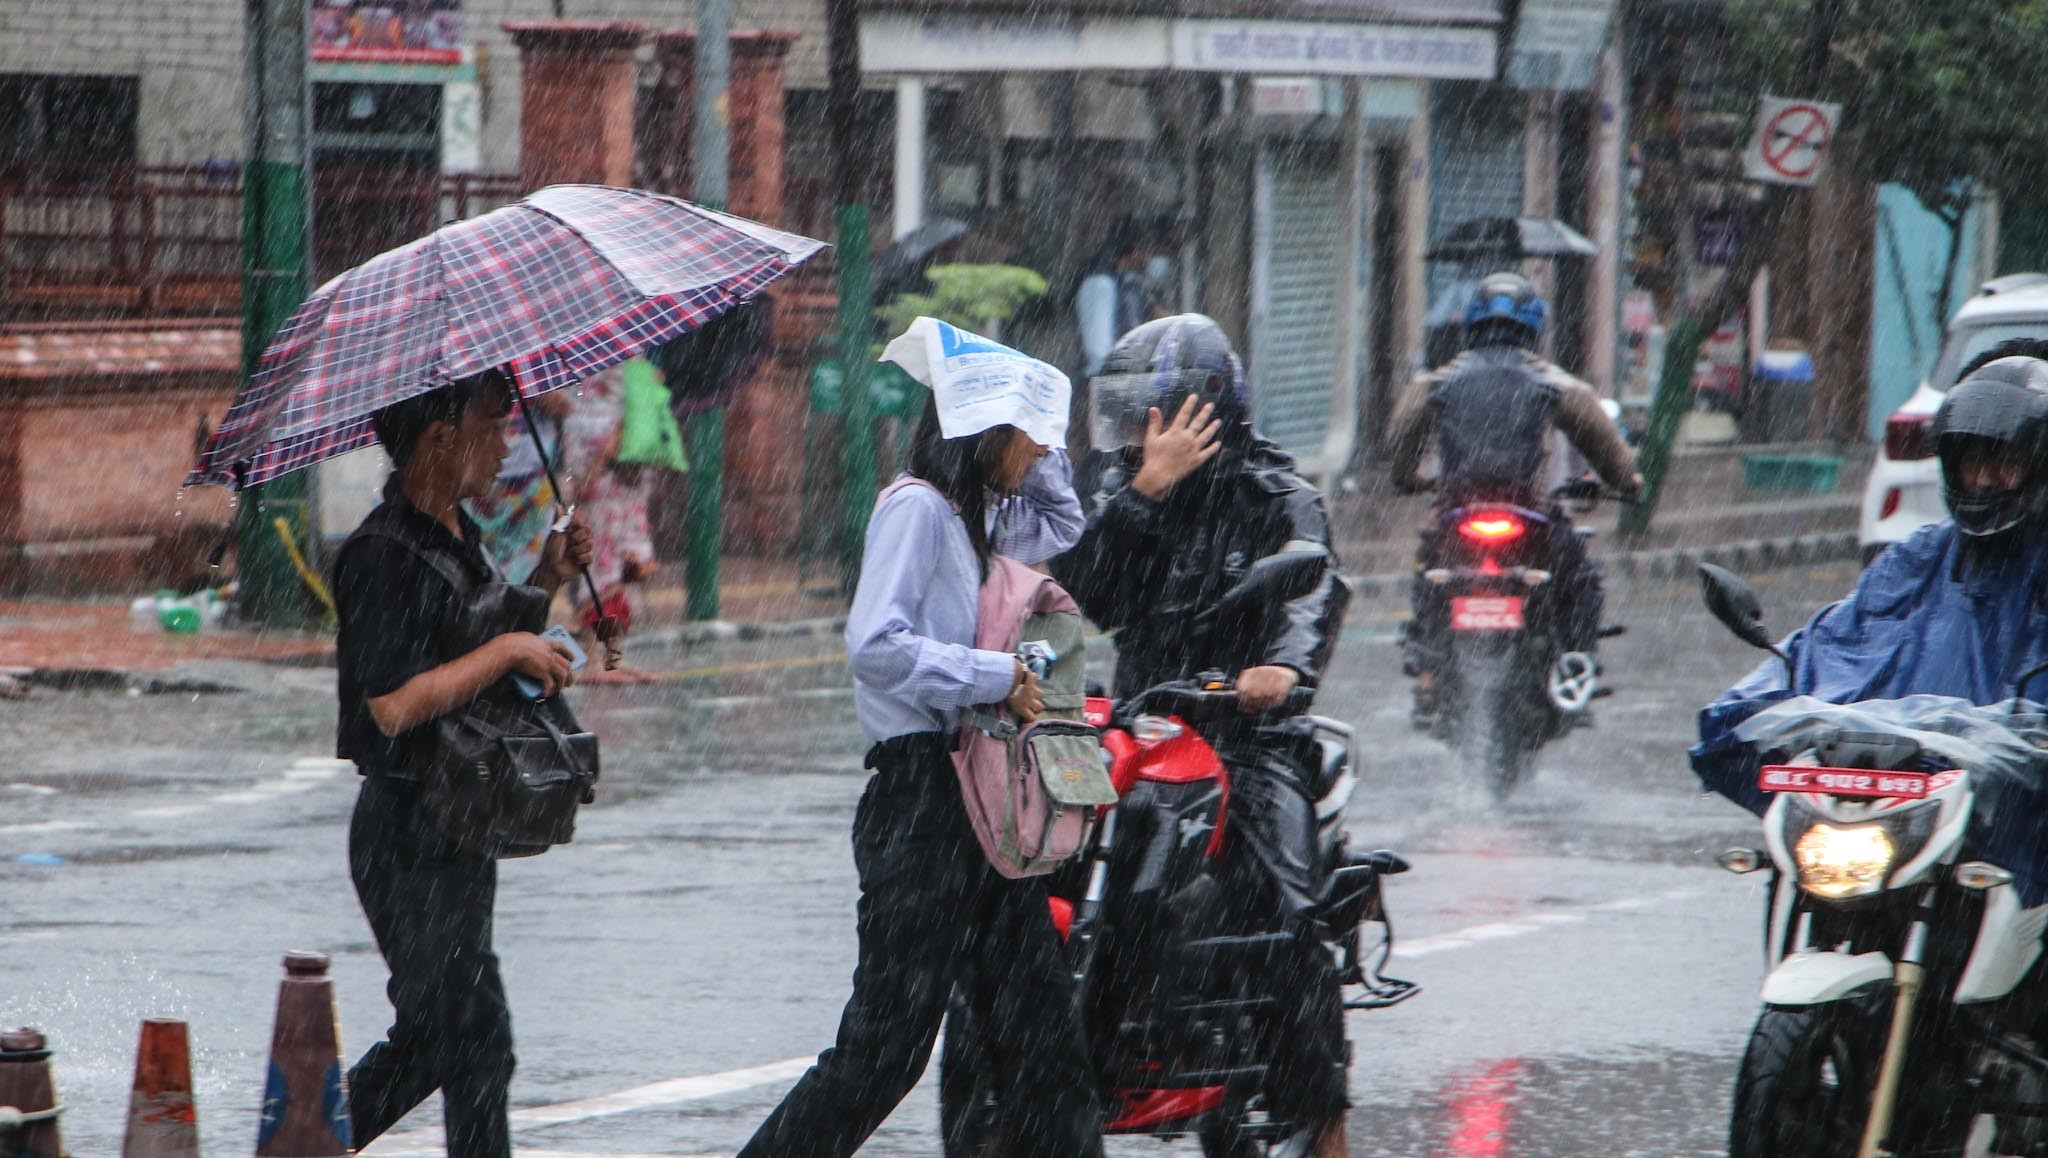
(1905, 988)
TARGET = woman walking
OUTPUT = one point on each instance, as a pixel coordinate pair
(931, 908)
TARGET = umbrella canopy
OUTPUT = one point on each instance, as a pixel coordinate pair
(1511, 239)
(905, 261)
(561, 285)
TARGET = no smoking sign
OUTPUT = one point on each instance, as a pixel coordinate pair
(1791, 141)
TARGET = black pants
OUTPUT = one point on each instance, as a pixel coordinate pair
(1571, 603)
(1275, 819)
(931, 911)
(429, 906)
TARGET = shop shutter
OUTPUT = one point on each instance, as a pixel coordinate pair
(1294, 348)
(1475, 163)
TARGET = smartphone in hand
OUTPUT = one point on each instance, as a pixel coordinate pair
(531, 688)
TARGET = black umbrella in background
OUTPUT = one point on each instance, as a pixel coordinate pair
(900, 268)
(1510, 239)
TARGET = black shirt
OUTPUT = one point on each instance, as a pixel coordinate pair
(395, 614)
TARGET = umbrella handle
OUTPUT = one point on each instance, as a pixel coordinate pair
(607, 626)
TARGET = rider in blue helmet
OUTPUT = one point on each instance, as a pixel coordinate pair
(1491, 413)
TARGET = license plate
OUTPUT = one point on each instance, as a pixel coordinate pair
(1486, 613)
(1844, 782)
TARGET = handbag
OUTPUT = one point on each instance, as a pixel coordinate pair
(504, 775)
(648, 431)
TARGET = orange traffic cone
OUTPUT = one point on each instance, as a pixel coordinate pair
(28, 1097)
(162, 1121)
(305, 1108)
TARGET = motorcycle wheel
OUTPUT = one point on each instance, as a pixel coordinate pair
(1492, 732)
(1804, 1087)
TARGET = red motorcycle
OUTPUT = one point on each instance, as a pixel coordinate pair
(1176, 944)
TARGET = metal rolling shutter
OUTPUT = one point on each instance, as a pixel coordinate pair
(1475, 163)
(1295, 346)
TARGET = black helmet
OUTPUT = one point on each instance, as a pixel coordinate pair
(1159, 364)
(1505, 307)
(2000, 409)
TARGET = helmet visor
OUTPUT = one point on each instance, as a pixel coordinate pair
(1118, 406)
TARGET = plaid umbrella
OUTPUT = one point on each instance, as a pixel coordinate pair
(570, 280)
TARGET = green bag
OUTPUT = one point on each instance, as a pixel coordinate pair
(649, 433)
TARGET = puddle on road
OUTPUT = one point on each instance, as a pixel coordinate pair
(1664, 1107)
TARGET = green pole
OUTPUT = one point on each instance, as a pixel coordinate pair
(857, 404)
(704, 539)
(1667, 412)
(710, 178)
(274, 282)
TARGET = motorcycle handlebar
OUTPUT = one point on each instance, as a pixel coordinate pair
(1198, 704)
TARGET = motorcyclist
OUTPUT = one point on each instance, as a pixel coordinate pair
(1958, 609)
(1190, 499)
(1491, 412)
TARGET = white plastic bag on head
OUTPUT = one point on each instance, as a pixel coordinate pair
(981, 384)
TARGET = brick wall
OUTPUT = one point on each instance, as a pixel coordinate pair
(188, 54)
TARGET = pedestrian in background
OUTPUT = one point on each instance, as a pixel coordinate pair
(932, 909)
(517, 512)
(429, 902)
(611, 495)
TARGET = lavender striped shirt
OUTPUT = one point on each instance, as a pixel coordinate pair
(910, 635)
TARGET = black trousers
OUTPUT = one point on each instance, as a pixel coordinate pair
(931, 910)
(430, 906)
(1275, 820)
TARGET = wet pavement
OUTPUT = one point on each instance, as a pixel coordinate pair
(1589, 975)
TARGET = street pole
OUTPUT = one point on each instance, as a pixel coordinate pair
(275, 220)
(856, 325)
(711, 149)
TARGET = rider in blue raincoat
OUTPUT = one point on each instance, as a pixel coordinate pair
(1958, 609)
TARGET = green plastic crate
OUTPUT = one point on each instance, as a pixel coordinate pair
(1812, 473)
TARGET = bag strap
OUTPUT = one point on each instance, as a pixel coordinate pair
(990, 723)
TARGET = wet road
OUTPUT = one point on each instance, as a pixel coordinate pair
(1589, 974)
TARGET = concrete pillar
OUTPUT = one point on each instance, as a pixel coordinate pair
(1347, 297)
(576, 100)
(1412, 288)
(1610, 121)
(910, 150)
(1539, 187)
(758, 120)
(755, 110)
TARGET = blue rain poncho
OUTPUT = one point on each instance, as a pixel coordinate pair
(1933, 615)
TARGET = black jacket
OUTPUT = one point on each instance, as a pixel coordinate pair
(1148, 570)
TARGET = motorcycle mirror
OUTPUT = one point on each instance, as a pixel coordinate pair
(1731, 601)
(1288, 574)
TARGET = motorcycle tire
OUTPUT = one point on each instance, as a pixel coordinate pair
(1804, 1087)
(1492, 727)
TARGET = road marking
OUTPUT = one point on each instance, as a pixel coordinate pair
(1533, 923)
(677, 1091)
(42, 826)
(672, 1092)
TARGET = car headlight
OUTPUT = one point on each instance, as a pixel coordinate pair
(1836, 863)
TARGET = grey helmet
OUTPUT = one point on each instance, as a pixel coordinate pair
(1162, 363)
(2002, 407)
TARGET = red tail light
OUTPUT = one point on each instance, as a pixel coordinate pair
(1492, 527)
(1905, 438)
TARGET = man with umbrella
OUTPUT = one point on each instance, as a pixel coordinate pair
(427, 350)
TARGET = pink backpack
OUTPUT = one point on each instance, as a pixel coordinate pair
(1032, 793)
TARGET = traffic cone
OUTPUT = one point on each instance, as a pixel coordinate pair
(162, 1121)
(28, 1097)
(305, 1108)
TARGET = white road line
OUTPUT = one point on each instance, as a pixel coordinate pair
(672, 1092)
(1533, 923)
(42, 826)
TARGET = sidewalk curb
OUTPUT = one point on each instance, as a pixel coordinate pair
(725, 631)
(1741, 556)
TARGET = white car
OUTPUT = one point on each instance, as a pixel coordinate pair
(1904, 490)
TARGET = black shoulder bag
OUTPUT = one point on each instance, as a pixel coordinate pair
(505, 774)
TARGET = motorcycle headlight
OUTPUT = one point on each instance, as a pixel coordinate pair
(1837, 863)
